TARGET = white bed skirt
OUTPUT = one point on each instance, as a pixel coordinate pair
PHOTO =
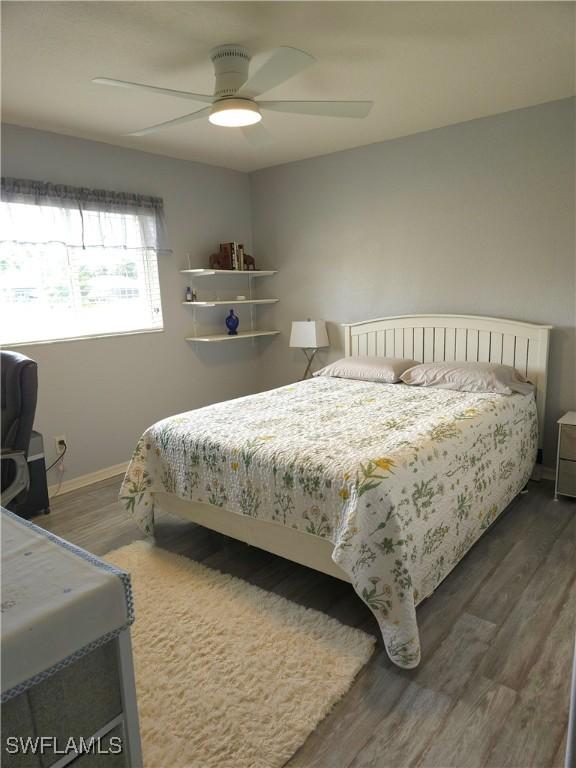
(303, 548)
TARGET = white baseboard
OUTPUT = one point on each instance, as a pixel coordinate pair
(93, 477)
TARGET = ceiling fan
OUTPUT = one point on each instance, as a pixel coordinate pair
(234, 103)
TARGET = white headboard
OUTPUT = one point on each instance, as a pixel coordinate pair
(429, 338)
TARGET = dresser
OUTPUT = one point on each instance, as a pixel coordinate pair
(566, 461)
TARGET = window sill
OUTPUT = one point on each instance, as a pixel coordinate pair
(91, 337)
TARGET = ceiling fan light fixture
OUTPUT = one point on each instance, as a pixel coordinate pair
(235, 113)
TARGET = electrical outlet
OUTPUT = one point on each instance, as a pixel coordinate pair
(58, 446)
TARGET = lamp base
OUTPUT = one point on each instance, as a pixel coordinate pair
(310, 355)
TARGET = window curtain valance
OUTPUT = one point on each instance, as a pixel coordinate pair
(93, 217)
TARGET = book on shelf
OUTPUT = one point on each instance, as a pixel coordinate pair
(234, 255)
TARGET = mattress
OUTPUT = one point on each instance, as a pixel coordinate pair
(402, 480)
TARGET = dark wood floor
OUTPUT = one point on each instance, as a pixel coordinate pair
(497, 637)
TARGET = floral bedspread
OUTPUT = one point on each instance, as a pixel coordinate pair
(402, 480)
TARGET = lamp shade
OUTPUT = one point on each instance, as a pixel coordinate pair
(309, 334)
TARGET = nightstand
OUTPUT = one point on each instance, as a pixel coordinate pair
(566, 462)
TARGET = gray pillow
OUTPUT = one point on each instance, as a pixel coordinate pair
(386, 370)
(468, 377)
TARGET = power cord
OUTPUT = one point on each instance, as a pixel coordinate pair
(61, 467)
(60, 455)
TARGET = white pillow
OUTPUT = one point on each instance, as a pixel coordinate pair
(468, 377)
(386, 370)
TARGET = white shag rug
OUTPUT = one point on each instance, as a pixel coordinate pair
(228, 675)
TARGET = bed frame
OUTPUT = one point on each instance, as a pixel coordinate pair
(464, 338)
(425, 338)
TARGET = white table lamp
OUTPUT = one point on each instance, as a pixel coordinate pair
(309, 336)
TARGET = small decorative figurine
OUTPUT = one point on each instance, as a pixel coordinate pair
(249, 263)
(218, 261)
(232, 322)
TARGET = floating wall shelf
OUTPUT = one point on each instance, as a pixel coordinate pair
(250, 300)
(235, 272)
(225, 337)
(228, 301)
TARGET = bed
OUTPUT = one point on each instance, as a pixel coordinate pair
(382, 485)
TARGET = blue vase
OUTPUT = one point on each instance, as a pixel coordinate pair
(232, 322)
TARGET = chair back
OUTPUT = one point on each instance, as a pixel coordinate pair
(19, 392)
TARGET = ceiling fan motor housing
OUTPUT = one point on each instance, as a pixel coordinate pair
(230, 67)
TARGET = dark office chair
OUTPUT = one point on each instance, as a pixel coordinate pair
(19, 378)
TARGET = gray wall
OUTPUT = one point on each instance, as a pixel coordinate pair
(103, 393)
(476, 218)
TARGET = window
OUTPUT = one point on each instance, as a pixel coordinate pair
(76, 263)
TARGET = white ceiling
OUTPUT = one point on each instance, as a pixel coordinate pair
(425, 65)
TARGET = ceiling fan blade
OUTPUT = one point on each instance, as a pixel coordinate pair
(283, 63)
(177, 121)
(320, 108)
(153, 89)
(257, 136)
